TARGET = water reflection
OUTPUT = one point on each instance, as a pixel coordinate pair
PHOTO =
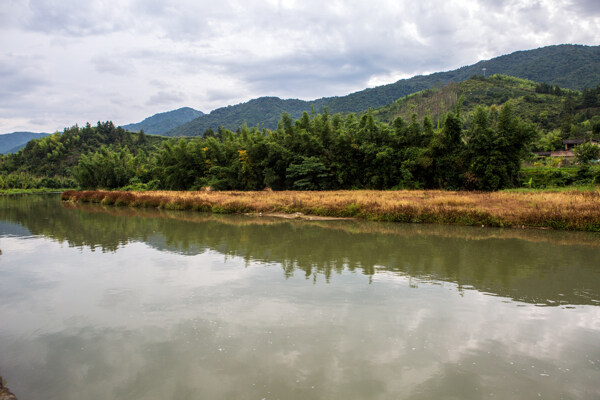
(541, 267)
(138, 304)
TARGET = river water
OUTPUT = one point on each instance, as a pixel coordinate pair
(119, 303)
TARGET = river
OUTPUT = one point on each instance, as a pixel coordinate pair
(121, 303)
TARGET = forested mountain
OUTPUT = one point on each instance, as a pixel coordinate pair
(56, 154)
(264, 111)
(544, 105)
(161, 123)
(12, 142)
(569, 66)
(481, 131)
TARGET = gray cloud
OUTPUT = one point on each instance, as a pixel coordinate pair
(303, 74)
(107, 65)
(165, 98)
(73, 17)
(586, 7)
(38, 121)
(220, 94)
(19, 76)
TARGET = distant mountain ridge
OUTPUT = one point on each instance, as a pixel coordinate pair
(569, 66)
(161, 123)
(13, 142)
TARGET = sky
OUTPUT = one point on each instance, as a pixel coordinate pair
(67, 62)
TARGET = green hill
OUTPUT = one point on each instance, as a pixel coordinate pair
(543, 109)
(263, 111)
(555, 113)
(569, 66)
(56, 154)
(161, 123)
(12, 142)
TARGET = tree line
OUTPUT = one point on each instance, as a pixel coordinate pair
(324, 152)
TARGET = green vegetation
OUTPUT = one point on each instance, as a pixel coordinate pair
(410, 144)
(324, 153)
(493, 91)
(48, 163)
(549, 177)
(263, 112)
(568, 66)
(415, 144)
(586, 153)
(22, 182)
(558, 114)
(34, 191)
(56, 154)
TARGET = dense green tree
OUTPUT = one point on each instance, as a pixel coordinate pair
(181, 164)
(587, 152)
(106, 168)
(308, 173)
(321, 152)
(448, 153)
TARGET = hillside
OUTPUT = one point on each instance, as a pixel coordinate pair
(556, 113)
(544, 109)
(264, 112)
(56, 154)
(569, 66)
(12, 142)
(161, 123)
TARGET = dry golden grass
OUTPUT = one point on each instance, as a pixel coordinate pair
(575, 210)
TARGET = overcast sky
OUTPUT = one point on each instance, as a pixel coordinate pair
(71, 61)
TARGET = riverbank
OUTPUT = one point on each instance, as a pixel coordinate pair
(567, 210)
(31, 191)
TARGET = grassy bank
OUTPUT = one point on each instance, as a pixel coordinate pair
(30, 191)
(569, 210)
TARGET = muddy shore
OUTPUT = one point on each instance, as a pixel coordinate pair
(5, 393)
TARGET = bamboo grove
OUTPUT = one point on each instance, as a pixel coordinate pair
(326, 152)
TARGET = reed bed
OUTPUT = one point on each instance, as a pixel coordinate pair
(572, 210)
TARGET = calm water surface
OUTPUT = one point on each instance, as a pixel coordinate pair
(116, 303)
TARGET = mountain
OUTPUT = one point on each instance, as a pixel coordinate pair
(263, 111)
(13, 142)
(569, 66)
(160, 123)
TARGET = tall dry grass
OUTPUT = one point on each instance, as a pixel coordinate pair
(572, 210)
